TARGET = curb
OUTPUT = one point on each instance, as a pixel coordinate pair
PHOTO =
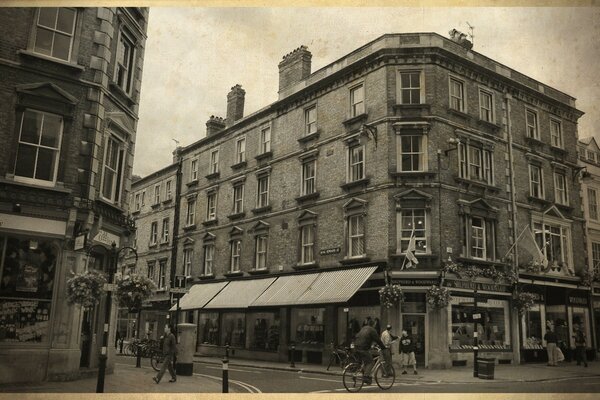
(331, 373)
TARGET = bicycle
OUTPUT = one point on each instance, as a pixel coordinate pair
(340, 355)
(353, 375)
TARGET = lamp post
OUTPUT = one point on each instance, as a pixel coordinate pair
(113, 256)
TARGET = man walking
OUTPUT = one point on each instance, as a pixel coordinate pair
(551, 339)
(362, 345)
(407, 352)
(387, 339)
(169, 350)
(580, 354)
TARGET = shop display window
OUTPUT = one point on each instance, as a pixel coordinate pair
(581, 315)
(208, 328)
(234, 329)
(263, 330)
(355, 319)
(27, 270)
(556, 317)
(532, 328)
(493, 325)
(307, 326)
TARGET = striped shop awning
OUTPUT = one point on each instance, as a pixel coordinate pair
(336, 286)
(240, 294)
(199, 295)
(285, 290)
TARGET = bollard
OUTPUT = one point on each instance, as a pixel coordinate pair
(292, 364)
(226, 370)
(138, 355)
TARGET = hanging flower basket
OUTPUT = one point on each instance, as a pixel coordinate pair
(86, 288)
(588, 277)
(391, 295)
(133, 289)
(438, 297)
(471, 272)
(524, 302)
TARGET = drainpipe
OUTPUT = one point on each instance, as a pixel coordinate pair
(175, 239)
(513, 203)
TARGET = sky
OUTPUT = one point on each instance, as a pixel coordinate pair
(195, 55)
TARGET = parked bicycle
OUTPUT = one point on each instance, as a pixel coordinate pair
(353, 376)
(341, 355)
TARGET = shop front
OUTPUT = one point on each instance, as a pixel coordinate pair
(596, 316)
(264, 318)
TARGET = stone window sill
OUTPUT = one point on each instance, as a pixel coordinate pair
(415, 174)
(308, 138)
(494, 126)
(258, 271)
(233, 274)
(480, 184)
(155, 205)
(214, 175)
(307, 197)
(357, 183)
(239, 165)
(538, 200)
(264, 156)
(458, 113)
(189, 227)
(236, 215)
(261, 209)
(51, 59)
(302, 267)
(534, 141)
(167, 201)
(558, 150)
(210, 222)
(357, 118)
(192, 183)
(206, 277)
(354, 260)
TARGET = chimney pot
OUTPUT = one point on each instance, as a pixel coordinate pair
(235, 104)
(294, 67)
(214, 125)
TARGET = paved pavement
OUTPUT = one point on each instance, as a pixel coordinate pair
(504, 373)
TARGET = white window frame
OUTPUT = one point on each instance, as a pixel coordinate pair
(532, 127)
(165, 230)
(190, 215)
(591, 156)
(265, 139)
(238, 198)
(411, 89)
(236, 251)
(355, 166)
(595, 257)
(55, 31)
(421, 155)
(188, 255)
(214, 161)
(533, 183)
(486, 114)
(260, 253)
(262, 199)
(137, 201)
(357, 106)
(194, 170)
(556, 137)
(168, 190)
(310, 124)
(307, 244)
(457, 101)
(240, 150)
(484, 163)
(561, 193)
(153, 233)
(157, 194)
(404, 234)
(359, 236)
(309, 182)
(540, 227)
(478, 233)
(209, 259)
(162, 271)
(143, 198)
(211, 206)
(592, 196)
(125, 81)
(115, 195)
(150, 271)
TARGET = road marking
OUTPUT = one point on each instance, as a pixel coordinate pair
(248, 387)
(233, 369)
(320, 379)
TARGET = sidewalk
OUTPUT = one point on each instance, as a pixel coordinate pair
(503, 373)
(126, 379)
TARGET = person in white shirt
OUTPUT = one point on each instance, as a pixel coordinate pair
(387, 338)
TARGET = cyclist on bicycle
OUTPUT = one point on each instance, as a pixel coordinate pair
(362, 344)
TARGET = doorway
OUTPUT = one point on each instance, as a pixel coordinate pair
(414, 325)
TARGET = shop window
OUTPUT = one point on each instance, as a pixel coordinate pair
(55, 31)
(234, 329)
(40, 136)
(493, 328)
(556, 318)
(27, 272)
(414, 303)
(208, 328)
(307, 325)
(355, 319)
(580, 315)
(264, 332)
(532, 329)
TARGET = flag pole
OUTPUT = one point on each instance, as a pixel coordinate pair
(516, 241)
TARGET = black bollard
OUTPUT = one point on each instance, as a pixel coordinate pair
(226, 370)
(293, 364)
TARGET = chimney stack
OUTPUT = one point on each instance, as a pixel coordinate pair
(294, 67)
(235, 104)
(214, 125)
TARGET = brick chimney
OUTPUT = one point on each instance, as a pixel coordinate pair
(294, 67)
(235, 104)
(215, 124)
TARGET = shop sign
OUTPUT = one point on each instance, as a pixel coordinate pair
(596, 303)
(79, 242)
(581, 301)
(415, 282)
(107, 238)
(538, 297)
(31, 224)
(327, 252)
(180, 281)
(491, 287)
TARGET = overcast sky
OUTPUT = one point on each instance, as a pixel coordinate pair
(195, 55)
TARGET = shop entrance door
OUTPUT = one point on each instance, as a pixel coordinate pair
(86, 339)
(414, 324)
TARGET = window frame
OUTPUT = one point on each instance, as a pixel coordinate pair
(265, 139)
(401, 89)
(565, 239)
(453, 98)
(486, 162)
(401, 213)
(162, 274)
(214, 161)
(360, 236)
(127, 85)
(38, 146)
(352, 166)
(153, 233)
(308, 181)
(168, 190)
(540, 183)
(235, 258)
(357, 107)
(556, 133)
(529, 127)
(188, 255)
(592, 206)
(194, 169)
(308, 123)
(421, 155)
(208, 263)
(482, 110)
(54, 31)
(116, 195)
(240, 150)
(478, 233)
(137, 202)
(595, 258)
(561, 195)
(261, 193)
(238, 203)
(211, 205)
(190, 214)
(165, 230)
(307, 248)
(260, 253)
(157, 193)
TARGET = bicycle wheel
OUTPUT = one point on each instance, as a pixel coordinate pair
(156, 361)
(353, 377)
(385, 380)
(129, 349)
(331, 361)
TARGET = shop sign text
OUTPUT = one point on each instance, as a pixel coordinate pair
(578, 300)
(415, 282)
(333, 250)
(492, 287)
(107, 238)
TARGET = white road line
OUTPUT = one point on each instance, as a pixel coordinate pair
(234, 369)
(248, 387)
(320, 379)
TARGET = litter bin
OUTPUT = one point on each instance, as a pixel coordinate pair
(485, 368)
